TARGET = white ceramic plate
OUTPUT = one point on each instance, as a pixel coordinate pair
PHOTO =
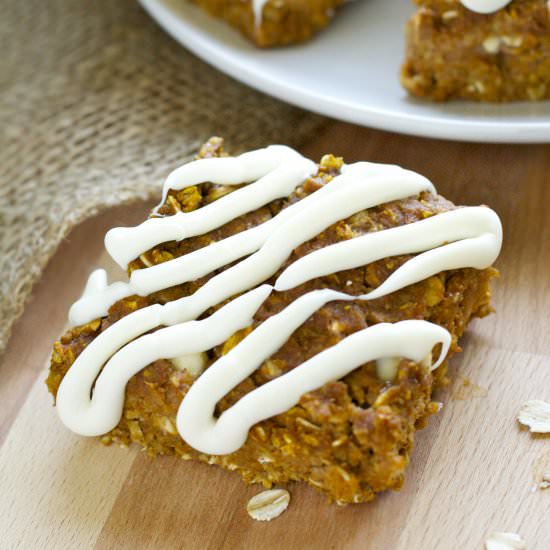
(350, 72)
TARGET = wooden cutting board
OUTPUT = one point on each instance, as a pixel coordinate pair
(473, 470)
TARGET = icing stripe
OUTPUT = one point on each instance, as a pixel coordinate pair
(196, 422)
(245, 168)
(125, 244)
(477, 230)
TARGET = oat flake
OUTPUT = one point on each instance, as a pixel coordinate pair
(536, 415)
(504, 541)
(268, 505)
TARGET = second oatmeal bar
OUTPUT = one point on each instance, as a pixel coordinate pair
(453, 52)
(282, 22)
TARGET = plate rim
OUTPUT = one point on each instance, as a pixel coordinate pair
(212, 53)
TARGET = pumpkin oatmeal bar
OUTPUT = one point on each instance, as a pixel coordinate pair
(281, 22)
(352, 438)
(453, 52)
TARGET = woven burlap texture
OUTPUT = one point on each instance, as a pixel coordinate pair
(97, 105)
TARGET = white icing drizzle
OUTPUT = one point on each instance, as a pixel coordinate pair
(467, 237)
(474, 234)
(360, 186)
(412, 339)
(102, 412)
(485, 6)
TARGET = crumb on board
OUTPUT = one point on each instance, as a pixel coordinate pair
(464, 390)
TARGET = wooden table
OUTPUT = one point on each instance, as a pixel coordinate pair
(473, 469)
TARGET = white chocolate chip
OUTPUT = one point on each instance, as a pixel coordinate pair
(536, 415)
(386, 367)
(193, 363)
(491, 44)
(504, 541)
(268, 505)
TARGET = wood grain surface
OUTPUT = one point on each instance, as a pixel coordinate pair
(473, 469)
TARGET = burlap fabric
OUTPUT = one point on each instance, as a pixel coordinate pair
(97, 105)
